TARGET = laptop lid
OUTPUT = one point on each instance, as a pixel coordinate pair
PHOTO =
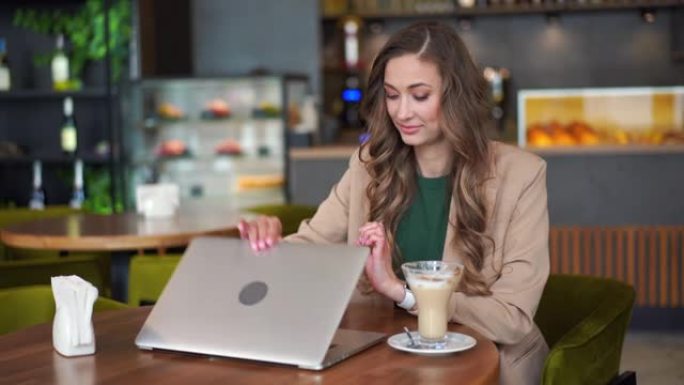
(282, 305)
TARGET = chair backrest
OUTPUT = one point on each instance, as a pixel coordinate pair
(37, 271)
(584, 321)
(290, 215)
(147, 277)
(18, 215)
(31, 305)
(22, 214)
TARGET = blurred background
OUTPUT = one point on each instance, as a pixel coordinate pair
(257, 102)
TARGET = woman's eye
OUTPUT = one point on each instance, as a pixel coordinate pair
(391, 96)
(421, 98)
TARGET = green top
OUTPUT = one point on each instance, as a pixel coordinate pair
(422, 230)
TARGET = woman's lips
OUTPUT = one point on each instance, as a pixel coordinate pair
(408, 129)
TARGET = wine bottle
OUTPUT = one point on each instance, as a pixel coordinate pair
(69, 135)
(78, 194)
(5, 80)
(60, 66)
(37, 201)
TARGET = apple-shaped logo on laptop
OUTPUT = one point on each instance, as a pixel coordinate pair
(253, 292)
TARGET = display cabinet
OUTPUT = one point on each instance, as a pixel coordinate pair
(222, 139)
(650, 116)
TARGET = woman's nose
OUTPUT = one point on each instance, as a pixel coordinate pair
(404, 111)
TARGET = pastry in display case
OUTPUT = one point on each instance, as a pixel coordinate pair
(216, 109)
(168, 111)
(220, 139)
(601, 117)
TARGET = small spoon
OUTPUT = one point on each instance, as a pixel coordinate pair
(413, 342)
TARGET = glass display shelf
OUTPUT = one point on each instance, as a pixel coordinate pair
(601, 118)
(216, 137)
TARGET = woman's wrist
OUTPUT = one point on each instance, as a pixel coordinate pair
(409, 300)
(398, 291)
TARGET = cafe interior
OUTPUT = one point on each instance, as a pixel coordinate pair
(128, 128)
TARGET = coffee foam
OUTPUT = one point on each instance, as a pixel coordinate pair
(431, 281)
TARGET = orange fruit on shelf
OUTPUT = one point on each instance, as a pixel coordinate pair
(563, 138)
(536, 136)
(588, 138)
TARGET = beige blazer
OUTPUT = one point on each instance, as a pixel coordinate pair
(519, 225)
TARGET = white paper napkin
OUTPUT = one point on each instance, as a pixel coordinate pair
(72, 328)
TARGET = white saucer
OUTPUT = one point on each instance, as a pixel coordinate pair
(456, 342)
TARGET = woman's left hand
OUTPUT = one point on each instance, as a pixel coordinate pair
(379, 264)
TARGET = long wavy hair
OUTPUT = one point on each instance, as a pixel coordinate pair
(464, 120)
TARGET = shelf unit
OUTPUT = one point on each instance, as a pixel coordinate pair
(31, 116)
(512, 9)
(259, 111)
(31, 119)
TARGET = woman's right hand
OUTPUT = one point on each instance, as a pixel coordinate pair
(263, 232)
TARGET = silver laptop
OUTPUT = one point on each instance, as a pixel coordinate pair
(283, 305)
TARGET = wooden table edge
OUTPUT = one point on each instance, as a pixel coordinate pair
(106, 243)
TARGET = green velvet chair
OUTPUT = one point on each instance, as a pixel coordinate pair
(148, 274)
(13, 216)
(38, 271)
(584, 321)
(20, 267)
(31, 305)
(290, 215)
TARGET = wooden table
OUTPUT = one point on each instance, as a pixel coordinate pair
(127, 231)
(29, 358)
(123, 233)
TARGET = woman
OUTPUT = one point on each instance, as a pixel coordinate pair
(429, 185)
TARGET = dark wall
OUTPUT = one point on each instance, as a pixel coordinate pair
(236, 37)
(614, 48)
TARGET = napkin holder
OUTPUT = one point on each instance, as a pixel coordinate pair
(72, 327)
(157, 200)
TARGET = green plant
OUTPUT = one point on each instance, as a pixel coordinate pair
(85, 30)
(98, 196)
(97, 184)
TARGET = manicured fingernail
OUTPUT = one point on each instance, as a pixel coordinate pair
(262, 244)
(254, 246)
(269, 242)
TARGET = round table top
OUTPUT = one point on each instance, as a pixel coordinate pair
(126, 231)
(28, 357)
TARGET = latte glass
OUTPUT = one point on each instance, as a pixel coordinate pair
(432, 283)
